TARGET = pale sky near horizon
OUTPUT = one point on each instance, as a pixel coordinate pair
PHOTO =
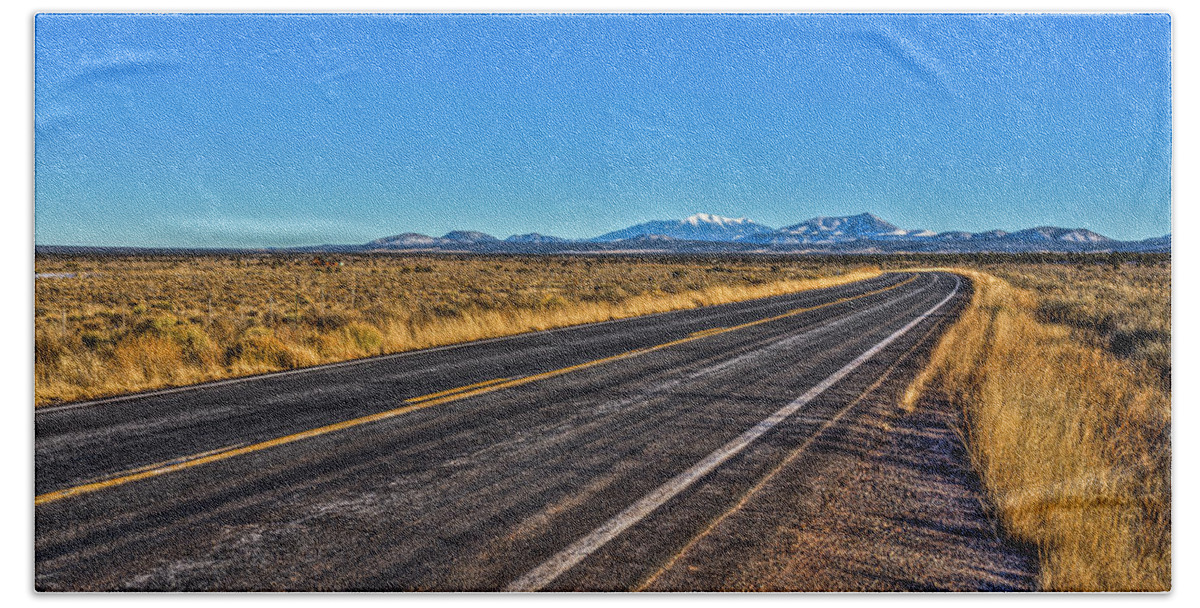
(276, 130)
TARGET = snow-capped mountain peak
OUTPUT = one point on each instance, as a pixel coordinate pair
(860, 225)
(1053, 233)
(708, 218)
(698, 227)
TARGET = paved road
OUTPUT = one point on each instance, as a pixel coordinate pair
(580, 458)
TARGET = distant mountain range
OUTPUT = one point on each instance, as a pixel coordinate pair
(706, 233)
(699, 227)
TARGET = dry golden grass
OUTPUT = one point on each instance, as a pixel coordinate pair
(1069, 426)
(129, 324)
(1125, 310)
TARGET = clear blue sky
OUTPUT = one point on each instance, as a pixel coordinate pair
(276, 130)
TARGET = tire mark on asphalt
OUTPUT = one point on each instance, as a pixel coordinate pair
(194, 460)
(800, 450)
(566, 559)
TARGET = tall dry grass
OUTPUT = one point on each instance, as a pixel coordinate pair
(121, 325)
(1125, 310)
(1071, 439)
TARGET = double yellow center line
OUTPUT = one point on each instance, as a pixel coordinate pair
(456, 391)
(416, 403)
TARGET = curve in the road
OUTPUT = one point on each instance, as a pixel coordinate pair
(554, 567)
(413, 404)
(486, 488)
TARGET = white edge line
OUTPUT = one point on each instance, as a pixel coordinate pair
(50, 409)
(564, 560)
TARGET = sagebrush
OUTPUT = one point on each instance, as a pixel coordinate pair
(111, 325)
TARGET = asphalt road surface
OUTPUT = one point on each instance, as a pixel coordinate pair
(572, 459)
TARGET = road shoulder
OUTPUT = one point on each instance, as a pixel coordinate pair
(886, 500)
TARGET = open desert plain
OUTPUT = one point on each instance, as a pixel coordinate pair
(249, 422)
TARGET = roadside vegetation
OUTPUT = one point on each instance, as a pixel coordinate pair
(1060, 365)
(108, 325)
(1062, 374)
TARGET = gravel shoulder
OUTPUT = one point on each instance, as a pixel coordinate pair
(882, 500)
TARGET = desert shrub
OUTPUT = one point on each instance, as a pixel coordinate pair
(221, 316)
(260, 347)
(149, 358)
(366, 338)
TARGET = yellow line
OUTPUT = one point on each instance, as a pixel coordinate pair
(454, 390)
(705, 332)
(187, 464)
(423, 402)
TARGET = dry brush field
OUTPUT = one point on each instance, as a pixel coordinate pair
(124, 324)
(1061, 370)
(1062, 373)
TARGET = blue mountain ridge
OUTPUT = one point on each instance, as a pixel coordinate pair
(865, 232)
